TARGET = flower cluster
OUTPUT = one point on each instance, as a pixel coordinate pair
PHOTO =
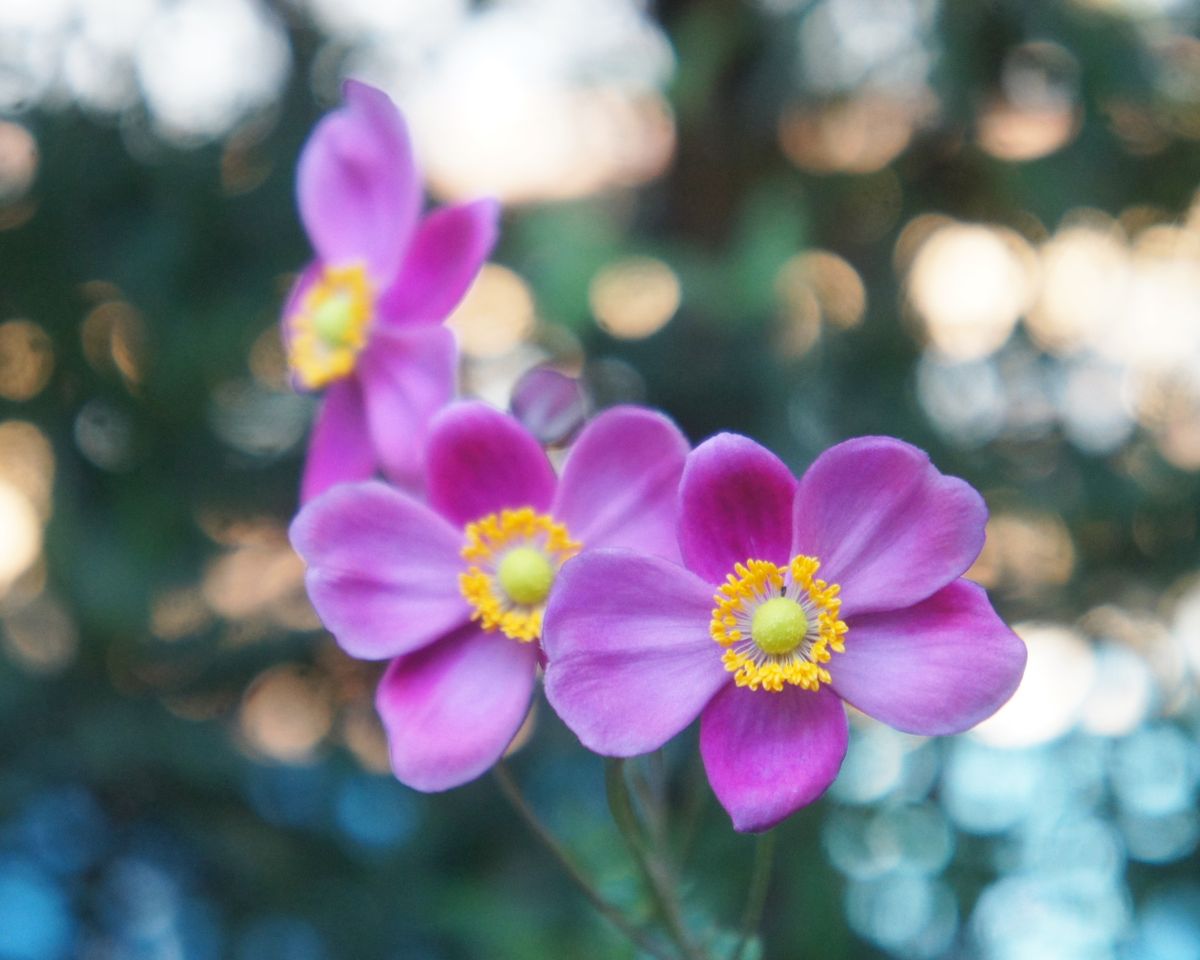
(649, 582)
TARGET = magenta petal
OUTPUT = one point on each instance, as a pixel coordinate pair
(357, 184)
(442, 261)
(452, 709)
(769, 754)
(935, 668)
(481, 461)
(735, 504)
(340, 450)
(630, 659)
(408, 376)
(885, 524)
(620, 484)
(382, 569)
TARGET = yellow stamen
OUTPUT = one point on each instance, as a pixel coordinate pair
(329, 329)
(778, 624)
(514, 557)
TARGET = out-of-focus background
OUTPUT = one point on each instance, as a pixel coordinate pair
(971, 225)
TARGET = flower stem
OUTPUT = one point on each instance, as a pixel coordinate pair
(650, 854)
(512, 792)
(756, 897)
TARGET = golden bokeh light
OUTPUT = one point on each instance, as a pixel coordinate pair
(252, 580)
(815, 287)
(969, 284)
(285, 714)
(26, 359)
(114, 338)
(21, 542)
(40, 637)
(634, 297)
(27, 464)
(268, 360)
(1011, 132)
(1025, 552)
(860, 135)
(179, 612)
(18, 161)
(496, 315)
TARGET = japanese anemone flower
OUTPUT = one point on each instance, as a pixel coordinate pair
(454, 590)
(363, 322)
(748, 637)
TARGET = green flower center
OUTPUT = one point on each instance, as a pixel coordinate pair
(526, 574)
(335, 319)
(778, 626)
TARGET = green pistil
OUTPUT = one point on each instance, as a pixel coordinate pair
(778, 626)
(334, 318)
(526, 575)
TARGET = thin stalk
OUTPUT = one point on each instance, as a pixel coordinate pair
(756, 896)
(512, 793)
(651, 857)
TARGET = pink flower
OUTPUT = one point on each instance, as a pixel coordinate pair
(454, 590)
(751, 639)
(364, 320)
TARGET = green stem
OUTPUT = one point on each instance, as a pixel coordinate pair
(651, 857)
(756, 896)
(512, 793)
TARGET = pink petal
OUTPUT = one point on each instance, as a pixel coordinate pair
(340, 450)
(630, 659)
(885, 524)
(357, 184)
(481, 461)
(442, 261)
(407, 376)
(935, 668)
(769, 754)
(620, 484)
(451, 709)
(382, 569)
(735, 501)
(549, 404)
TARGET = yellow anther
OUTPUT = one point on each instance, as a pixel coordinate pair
(514, 557)
(329, 329)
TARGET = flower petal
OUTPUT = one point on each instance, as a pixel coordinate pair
(935, 668)
(357, 184)
(885, 524)
(407, 377)
(382, 569)
(769, 754)
(441, 263)
(452, 709)
(620, 484)
(340, 450)
(481, 461)
(735, 500)
(630, 659)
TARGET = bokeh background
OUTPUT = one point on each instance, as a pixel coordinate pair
(971, 225)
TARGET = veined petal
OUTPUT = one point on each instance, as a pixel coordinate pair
(885, 524)
(407, 377)
(620, 484)
(357, 184)
(451, 709)
(630, 659)
(340, 450)
(769, 754)
(382, 569)
(442, 261)
(481, 461)
(735, 503)
(935, 668)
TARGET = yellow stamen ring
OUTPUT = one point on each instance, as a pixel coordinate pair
(514, 557)
(329, 329)
(778, 624)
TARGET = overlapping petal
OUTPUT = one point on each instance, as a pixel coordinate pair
(481, 461)
(935, 668)
(735, 504)
(442, 261)
(407, 376)
(340, 450)
(885, 524)
(620, 484)
(631, 662)
(357, 184)
(382, 569)
(451, 709)
(767, 755)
